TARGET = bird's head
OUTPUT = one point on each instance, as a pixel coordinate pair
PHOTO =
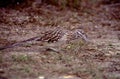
(79, 33)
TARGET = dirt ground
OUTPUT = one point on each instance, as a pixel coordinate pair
(99, 59)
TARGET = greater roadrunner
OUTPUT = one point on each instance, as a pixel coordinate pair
(53, 36)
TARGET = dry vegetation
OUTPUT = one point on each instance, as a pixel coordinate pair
(99, 59)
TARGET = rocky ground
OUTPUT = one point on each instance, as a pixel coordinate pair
(99, 59)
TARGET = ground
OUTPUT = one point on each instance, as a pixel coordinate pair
(98, 59)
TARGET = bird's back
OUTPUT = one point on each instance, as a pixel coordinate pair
(51, 35)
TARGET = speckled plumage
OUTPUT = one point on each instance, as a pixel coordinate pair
(51, 35)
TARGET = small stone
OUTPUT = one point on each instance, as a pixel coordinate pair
(41, 77)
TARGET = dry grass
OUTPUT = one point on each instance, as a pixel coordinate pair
(85, 60)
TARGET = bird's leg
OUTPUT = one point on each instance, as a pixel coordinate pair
(55, 47)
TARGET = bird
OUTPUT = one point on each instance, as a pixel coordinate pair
(53, 35)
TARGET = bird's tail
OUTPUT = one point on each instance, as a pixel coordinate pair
(18, 43)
